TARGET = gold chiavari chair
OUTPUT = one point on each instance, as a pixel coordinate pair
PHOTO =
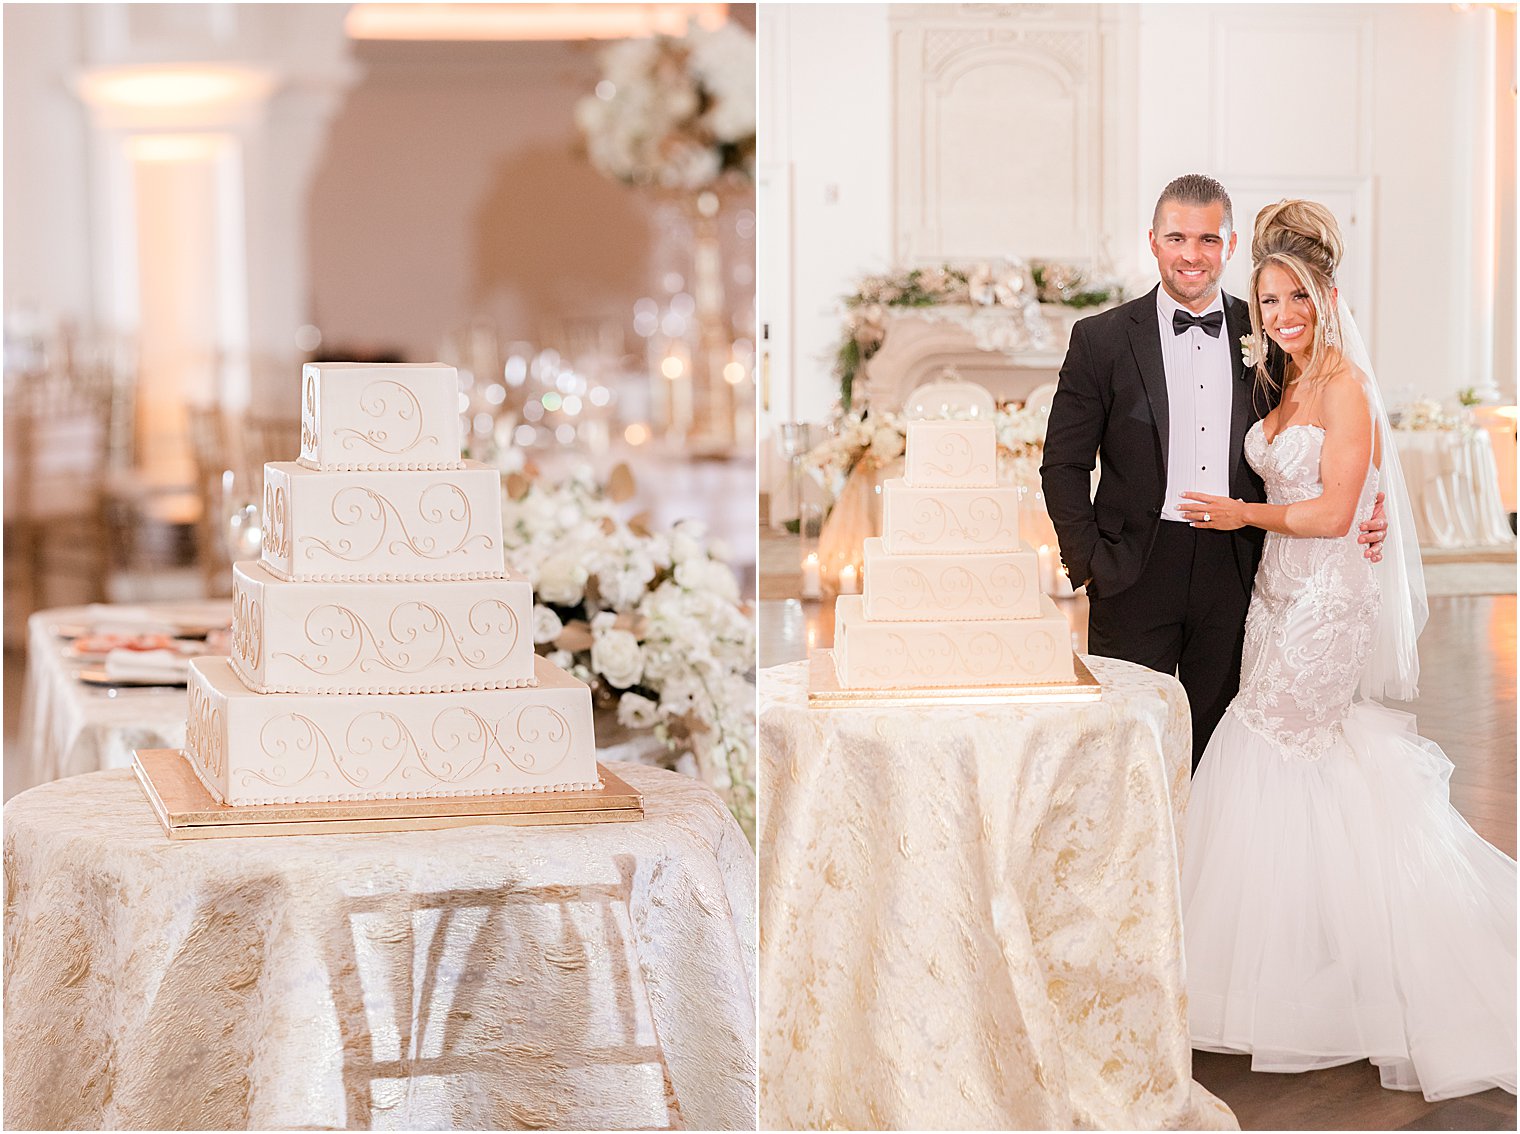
(210, 448)
(59, 422)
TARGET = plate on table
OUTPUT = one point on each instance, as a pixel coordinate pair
(95, 647)
(100, 679)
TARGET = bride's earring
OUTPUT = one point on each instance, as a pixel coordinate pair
(1331, 338)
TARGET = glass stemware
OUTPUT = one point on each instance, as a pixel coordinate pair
(242, 518)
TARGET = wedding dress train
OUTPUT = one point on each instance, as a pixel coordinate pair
(1336, 906)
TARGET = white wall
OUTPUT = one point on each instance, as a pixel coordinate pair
(825, 134)
(1388, 115)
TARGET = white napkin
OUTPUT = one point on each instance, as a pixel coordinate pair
(106, 618)
(147, 665)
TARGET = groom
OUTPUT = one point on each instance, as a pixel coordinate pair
(1159, 387)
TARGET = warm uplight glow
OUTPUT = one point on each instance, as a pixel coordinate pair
(636, 434)
(733, 373)
(1511, 412)
(176, 147)
(672, 367)
(173, 87)
(527, 21)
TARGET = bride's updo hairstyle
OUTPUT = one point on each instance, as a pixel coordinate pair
(1302, 239)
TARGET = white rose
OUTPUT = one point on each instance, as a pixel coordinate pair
(562, 658)
(546, 625)
(683, 547)
(634, 711)
(708, 575)
(616, 656)
(562, 580)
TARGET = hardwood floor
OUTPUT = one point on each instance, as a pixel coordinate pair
(1466, 705)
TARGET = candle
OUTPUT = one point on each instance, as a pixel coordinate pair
(848, 580)
(812, 582)
(1047, 577)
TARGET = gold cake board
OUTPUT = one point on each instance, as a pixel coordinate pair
(186, 810)
(825, 692)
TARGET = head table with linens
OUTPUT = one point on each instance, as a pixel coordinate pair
(972, 914)
(479, 977)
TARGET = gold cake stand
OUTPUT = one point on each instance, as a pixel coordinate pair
(186, 810)
(825, 692)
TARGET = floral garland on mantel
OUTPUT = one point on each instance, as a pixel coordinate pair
(651, 621)
(1014, 287)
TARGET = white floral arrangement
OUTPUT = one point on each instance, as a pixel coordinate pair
(651, 621)
(1424, 414)
(882, 438)
(674, 112)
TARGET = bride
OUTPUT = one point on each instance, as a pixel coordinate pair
(1336, 906)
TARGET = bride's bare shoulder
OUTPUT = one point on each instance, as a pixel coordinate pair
(1346, 384)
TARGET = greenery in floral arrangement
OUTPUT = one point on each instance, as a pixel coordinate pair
(984, 285)
(651, 621)
(1068, 285)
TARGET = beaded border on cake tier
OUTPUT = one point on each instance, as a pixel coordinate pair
(383, 576)
(376, 466)
(439, 687)
(352, 797)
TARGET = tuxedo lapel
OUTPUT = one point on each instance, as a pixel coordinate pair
(1145, 341)
(1237, 321)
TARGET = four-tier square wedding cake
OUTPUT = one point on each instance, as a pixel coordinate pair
(952, 595)
(380, 648)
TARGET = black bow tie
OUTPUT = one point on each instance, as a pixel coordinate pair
(1211, 323)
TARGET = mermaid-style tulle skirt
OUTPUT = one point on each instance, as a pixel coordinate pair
(1341, 909)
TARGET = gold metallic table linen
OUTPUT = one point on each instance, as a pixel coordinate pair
(469, 978)
(972, 916)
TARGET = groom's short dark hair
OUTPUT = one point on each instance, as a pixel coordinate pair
(1194, 189)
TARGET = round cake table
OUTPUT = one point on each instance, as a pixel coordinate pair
(473, 978)
(972, 917)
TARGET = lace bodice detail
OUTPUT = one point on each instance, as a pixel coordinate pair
(1312, 608)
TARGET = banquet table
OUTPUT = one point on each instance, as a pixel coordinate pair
(972, 914)
(67, 728)
(1453, 487)
(472, 978)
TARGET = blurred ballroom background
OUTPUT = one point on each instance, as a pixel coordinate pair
(201, 197)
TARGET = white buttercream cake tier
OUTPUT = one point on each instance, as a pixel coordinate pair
(293, 637)
(361, 416)
(951, 453)
(908, 655)
(923, 587)
(351, 526)
(946, 520)
(250, 748)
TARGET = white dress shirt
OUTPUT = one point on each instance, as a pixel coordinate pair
(1199, 381)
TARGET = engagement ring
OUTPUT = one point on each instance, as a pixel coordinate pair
(1205, 517)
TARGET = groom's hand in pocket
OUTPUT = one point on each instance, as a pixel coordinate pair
(1374, 531)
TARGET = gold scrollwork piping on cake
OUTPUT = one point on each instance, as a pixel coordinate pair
(375, 402)
(290, 737)
(247, 630)
(984, 655)
(983, 521)
(410, 625)
(542, 741)
(374, 732)
(276, 520)
(955, 450)
(203, 731)
(359, 504)
(309, 416)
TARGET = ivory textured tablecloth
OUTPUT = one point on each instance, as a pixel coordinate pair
(972, 916)
(1453, 487)
(480, 977)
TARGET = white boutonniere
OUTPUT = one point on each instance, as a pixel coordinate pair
(1251, 352)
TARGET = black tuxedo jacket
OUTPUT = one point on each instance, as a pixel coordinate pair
(1111, 404)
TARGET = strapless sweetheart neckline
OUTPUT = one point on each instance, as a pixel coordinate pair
(1284, 429)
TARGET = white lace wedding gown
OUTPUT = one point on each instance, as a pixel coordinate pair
(1336, 906)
